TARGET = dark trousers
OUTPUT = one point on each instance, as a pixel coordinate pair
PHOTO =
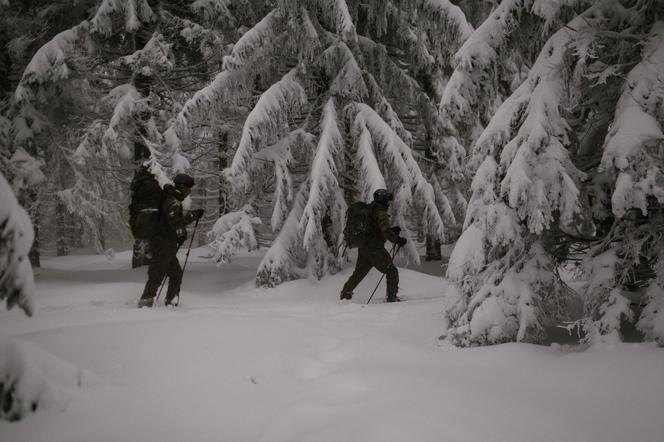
(374, 257)
(164, 263)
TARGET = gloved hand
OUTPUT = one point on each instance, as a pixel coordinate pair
(198, 213)
(181, 234)
(401, 241)
(396, 229)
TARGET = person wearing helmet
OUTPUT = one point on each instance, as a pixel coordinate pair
(374, 254)
(171, 233)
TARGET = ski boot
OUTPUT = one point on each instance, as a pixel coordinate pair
(345, 295)
(172, 302)
(145, 302)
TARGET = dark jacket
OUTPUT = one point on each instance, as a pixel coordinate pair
(173, 221)
(384, 230)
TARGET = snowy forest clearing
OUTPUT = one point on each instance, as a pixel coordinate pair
(237, 363)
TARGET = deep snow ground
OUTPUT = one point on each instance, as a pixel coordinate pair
(236, 363)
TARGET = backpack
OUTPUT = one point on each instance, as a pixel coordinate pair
(146, 199)
(359, 224)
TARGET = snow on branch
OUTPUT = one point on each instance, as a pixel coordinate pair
(233, 231)
(283, 192)
(549, 10)
(49, 64)
(337, 12)
(254, 43)
(310, 42)
(540, 177)
(636, 135)
(371, 178)
(480, 47)
(405, 170)
(208, 40)
(16, 236)
(133, 12)
(394, 80)
(224, 86)
(280, 262)
(322, 176)
(280, 155)
(340, 62)
(266, 119)
(651, 320)
(506, 308)
(460, 95)
(385, 110)
(127, 100)
(212, 9)
(451, 13)
(157, 53)
(604, 304)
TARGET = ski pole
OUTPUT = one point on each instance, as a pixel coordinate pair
(163, 282)
(191, 241)
(393, 252)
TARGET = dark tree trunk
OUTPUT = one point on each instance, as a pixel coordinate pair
(102, 239)
(432, 249)
(61, 248)
(31, 205)
(223, 163)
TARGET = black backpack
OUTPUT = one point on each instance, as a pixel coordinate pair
(146, 199)
(359, 224)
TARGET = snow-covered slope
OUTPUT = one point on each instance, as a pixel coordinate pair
(237, 363)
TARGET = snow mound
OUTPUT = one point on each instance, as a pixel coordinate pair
(31, 378)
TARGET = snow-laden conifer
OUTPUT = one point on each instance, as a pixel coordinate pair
(630, 151)
(491, 63)
(63, 87)
(254, 43)
(283, 260)
(323, 176)
(345, 96)
(232, 231)
(530, 212)
(631, 158)
(16, 235)
(505, 286)
(266, 119)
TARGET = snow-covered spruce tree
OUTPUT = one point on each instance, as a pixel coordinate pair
(326, 128)
(493, 61)
(29, 377)
(528, 188)
(80, 85)
(16, 235)
(630, 256)
(504, 284)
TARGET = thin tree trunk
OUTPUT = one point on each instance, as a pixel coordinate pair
(432, 249)
(223, 163)
(61, 248)
(32, 207)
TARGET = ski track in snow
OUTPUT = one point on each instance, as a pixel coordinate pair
(294, 363)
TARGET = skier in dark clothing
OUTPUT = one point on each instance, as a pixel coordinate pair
(374, 253)
(170, 234)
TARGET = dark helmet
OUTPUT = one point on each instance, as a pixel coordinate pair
(383, 196)
(183, 180)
